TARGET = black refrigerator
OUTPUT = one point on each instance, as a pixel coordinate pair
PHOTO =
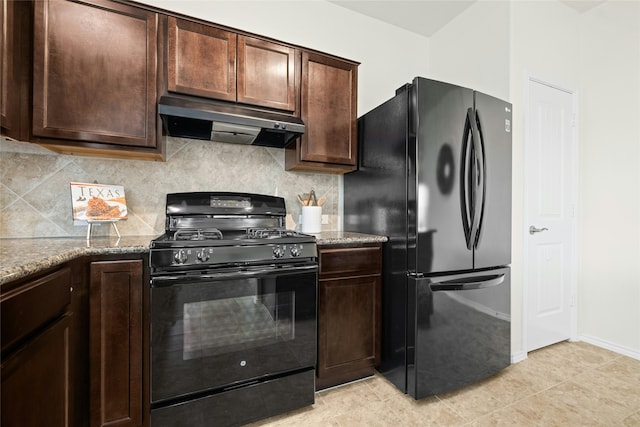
(434, 176)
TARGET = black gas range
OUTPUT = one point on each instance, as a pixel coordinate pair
(233, 311)
(215, 230)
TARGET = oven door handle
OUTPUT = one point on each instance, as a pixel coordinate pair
(262, 271)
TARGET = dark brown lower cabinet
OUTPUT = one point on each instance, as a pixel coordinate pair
(74, 341)
(349, 313)
(116, 343)
(35, 380)
(37, 376)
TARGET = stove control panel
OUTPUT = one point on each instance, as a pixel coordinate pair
(231, 254)
(290, 251)
(191, 256)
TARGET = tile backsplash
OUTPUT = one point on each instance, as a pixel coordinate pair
(35, 198)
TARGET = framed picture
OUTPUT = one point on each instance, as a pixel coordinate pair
(97, 202)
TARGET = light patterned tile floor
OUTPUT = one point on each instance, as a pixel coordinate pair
(567, 384)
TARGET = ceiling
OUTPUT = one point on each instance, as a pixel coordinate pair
(426, 17)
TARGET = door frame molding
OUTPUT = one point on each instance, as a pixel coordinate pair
(528, 80)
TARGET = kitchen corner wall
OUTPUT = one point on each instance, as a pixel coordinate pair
(35, 197)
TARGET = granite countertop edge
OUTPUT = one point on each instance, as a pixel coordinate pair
(347, 238)
(22, 257)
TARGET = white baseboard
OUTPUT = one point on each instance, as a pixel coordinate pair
(521, 355)
(610, 346)
(518, 356)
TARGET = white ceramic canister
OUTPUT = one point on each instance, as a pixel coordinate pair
(311, 219)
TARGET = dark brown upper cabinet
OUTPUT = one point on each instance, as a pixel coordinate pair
(267, 74)
(7, 74)
(94, 75)
(210, 62)
(15, 48)
(201, 60)
(84, 77)
(328, 108)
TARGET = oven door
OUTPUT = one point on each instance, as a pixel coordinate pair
(215, 331)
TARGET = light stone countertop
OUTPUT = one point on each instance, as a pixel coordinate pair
(22, 257)
(347, 238)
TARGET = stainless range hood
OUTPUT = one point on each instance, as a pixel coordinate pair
(194, 118)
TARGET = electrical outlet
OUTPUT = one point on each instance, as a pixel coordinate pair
(325, 219)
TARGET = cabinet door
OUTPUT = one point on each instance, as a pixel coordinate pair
(349, 313)
(201, 60)
(7, 78)
(266, 74)
(328, 108)
(347, 322)
(42, 349)
(115, 343)
(36, 380)
(94, 72)
(15, 65)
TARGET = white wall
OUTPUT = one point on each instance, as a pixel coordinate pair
(544, 38)
(609, 263)
(389, 56)
(473, 49)
(596, 53)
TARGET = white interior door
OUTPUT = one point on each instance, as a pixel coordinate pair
(550, 197)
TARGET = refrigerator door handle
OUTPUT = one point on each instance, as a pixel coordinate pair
(475, 177)
(466, 187)
(479, 282)
(481, 181)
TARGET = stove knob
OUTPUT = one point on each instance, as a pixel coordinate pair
(202, 255)
(295, 251)
(180, 257)
(278, 252)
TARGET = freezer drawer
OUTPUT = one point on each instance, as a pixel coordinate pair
(460, 326)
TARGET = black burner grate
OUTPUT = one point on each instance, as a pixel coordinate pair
(270, 233)
(198, 234)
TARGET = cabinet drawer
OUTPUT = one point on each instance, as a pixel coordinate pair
(31, 305)
(344, 262)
